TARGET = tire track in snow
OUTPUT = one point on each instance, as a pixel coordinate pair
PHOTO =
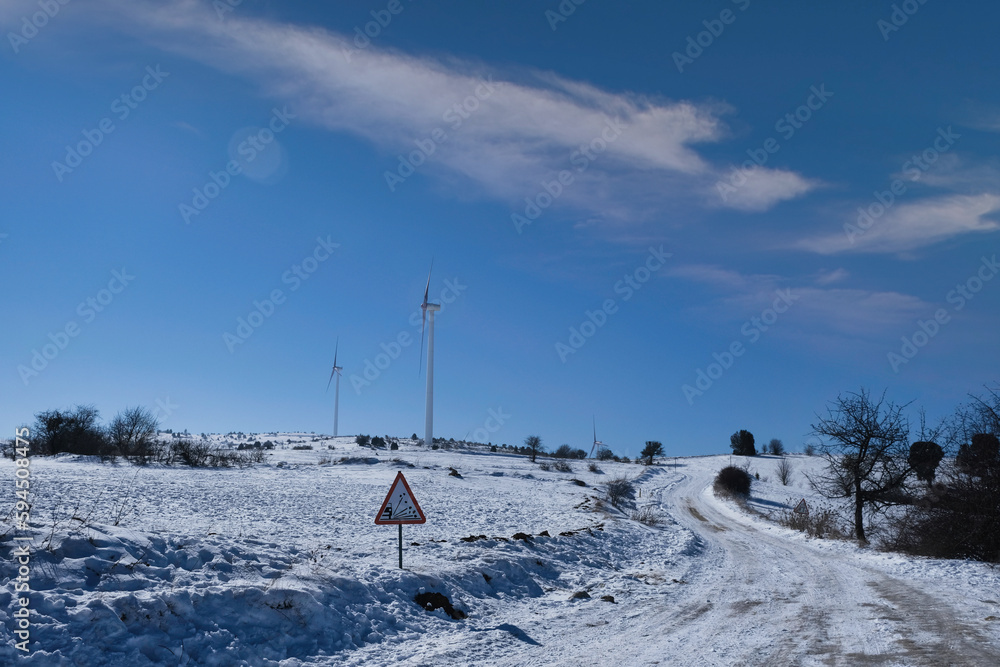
(774, 601)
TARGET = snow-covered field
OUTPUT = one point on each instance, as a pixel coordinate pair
(281, 564)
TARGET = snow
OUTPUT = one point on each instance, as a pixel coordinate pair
(282, 564)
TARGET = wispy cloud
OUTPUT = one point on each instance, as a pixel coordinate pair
(765, 188)
(907, 227)
(818, 310)
(524, 133)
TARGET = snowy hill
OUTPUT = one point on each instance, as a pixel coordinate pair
(281, 564)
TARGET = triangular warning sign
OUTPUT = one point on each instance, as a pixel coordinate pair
(399, 505)
(802, 508)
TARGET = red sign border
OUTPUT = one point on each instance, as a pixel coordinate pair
(388, 497)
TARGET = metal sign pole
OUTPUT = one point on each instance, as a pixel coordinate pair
(400, 546)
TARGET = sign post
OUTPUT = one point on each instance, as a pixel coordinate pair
(399, 507)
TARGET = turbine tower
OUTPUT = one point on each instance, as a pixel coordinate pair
(597, 443)
(429, 308)
(336, 395)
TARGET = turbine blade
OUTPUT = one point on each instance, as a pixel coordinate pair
(427, 289)
(335, 350)
(423, 321)
(332, 373)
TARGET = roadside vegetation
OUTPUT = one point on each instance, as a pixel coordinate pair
(935, 493)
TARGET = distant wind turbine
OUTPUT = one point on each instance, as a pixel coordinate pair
(336, 395)
(431, 308)
(597, 443)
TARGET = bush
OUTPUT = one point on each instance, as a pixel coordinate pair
(75, 432)
(592, 467)
(619, 490)
(742, 443)
(196, 455)
(821, 523)
(363, 440)
(562, 466)
(378, 442)
(647, 516)
(564, 452)
(132, 434)
(605, 454)
(301, 447)
(984, 452)
(733, 481)
(776, 447)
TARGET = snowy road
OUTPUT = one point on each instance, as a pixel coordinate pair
(758, 598)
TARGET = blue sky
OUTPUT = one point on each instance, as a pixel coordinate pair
(681, 219)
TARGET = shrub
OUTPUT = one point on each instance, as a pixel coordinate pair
(605, 454)
(984, 452)
(822, 523)
(378, 442)
(132, 434)
(196, 455)
(647, 516)
(363, 440)
(618, 490)
(562, 466)
(544, 466)
(564, 452)
(301, 447)
(75, 432)
(776, 447)
(593, 468)
(733, 481)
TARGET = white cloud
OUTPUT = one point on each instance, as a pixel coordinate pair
(907, 227)
(523, 131)
(763, 189)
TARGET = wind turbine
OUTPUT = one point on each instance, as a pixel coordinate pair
(597, 442)
(431, 308)
(336, 400)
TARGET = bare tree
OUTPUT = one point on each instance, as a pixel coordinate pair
(865, 446)
(133, 434)
(534, 445)
(784, 471)
(776, 447)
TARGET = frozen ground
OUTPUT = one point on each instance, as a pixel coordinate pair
(281, 564)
